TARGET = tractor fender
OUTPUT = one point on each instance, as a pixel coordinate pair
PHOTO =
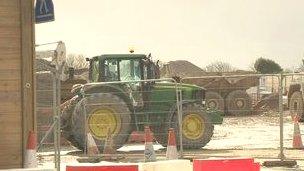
(118, 91)
(172, 110)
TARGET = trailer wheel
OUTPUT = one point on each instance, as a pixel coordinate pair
(296, 105)
(239, 103)
(215, 101)
(103, 111)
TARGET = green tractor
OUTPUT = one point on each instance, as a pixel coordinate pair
(133, 103)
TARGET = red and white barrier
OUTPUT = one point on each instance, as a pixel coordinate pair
(234, 164)
(167, 165)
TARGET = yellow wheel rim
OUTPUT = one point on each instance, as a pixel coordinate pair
(101, 120)
(193, 126)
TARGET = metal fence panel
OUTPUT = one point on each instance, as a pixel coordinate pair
(262, 123)
(48, 116)
(251, 108)
(120, 109)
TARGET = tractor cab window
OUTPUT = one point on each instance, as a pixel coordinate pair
(111, 70)
(95, 71)
(130, 70)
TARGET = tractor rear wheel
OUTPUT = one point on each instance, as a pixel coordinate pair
(215, 101)
(296, 105)
(197, 128)
(98, 114)
(239, 103)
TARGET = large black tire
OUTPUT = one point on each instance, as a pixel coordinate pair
(296, 105)
(197, 141)
(103, 111)
(239, 103)
(215, 101)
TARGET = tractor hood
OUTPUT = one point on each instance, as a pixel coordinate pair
(190, 92)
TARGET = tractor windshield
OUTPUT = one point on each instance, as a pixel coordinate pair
(129, 70)
(122, 70)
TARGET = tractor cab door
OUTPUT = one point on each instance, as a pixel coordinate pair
(126, 70)
(130, 70)
(150, 71)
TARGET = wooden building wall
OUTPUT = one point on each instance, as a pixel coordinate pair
(16, 79)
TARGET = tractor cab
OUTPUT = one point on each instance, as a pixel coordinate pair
(122, 67)
(127, 69)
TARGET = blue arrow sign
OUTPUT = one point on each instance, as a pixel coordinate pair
(44, 11)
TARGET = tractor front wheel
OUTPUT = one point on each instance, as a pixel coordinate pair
(197, 129)
(98, 114)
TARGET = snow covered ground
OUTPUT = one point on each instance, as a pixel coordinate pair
(253, 136)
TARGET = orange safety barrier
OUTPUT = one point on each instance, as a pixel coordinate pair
(235, 164)
(103, 168)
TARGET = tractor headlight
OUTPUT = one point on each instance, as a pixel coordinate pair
(204, 102)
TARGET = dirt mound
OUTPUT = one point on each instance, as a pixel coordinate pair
(181, 68)
(267, 104)
(43, 65)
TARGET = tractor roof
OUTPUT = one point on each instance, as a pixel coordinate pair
(121, 56)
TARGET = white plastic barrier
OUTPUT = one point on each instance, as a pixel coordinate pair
(167, 165)
(29, 169)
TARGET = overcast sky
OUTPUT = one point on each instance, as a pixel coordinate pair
(201, 31)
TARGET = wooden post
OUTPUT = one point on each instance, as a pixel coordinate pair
(27, 68)
(17, 114)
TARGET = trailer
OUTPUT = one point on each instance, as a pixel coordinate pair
(224, 91)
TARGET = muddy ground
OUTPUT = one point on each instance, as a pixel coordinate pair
(251, 136)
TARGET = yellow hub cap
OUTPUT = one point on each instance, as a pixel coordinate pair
(101, 120)
(193, 126)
